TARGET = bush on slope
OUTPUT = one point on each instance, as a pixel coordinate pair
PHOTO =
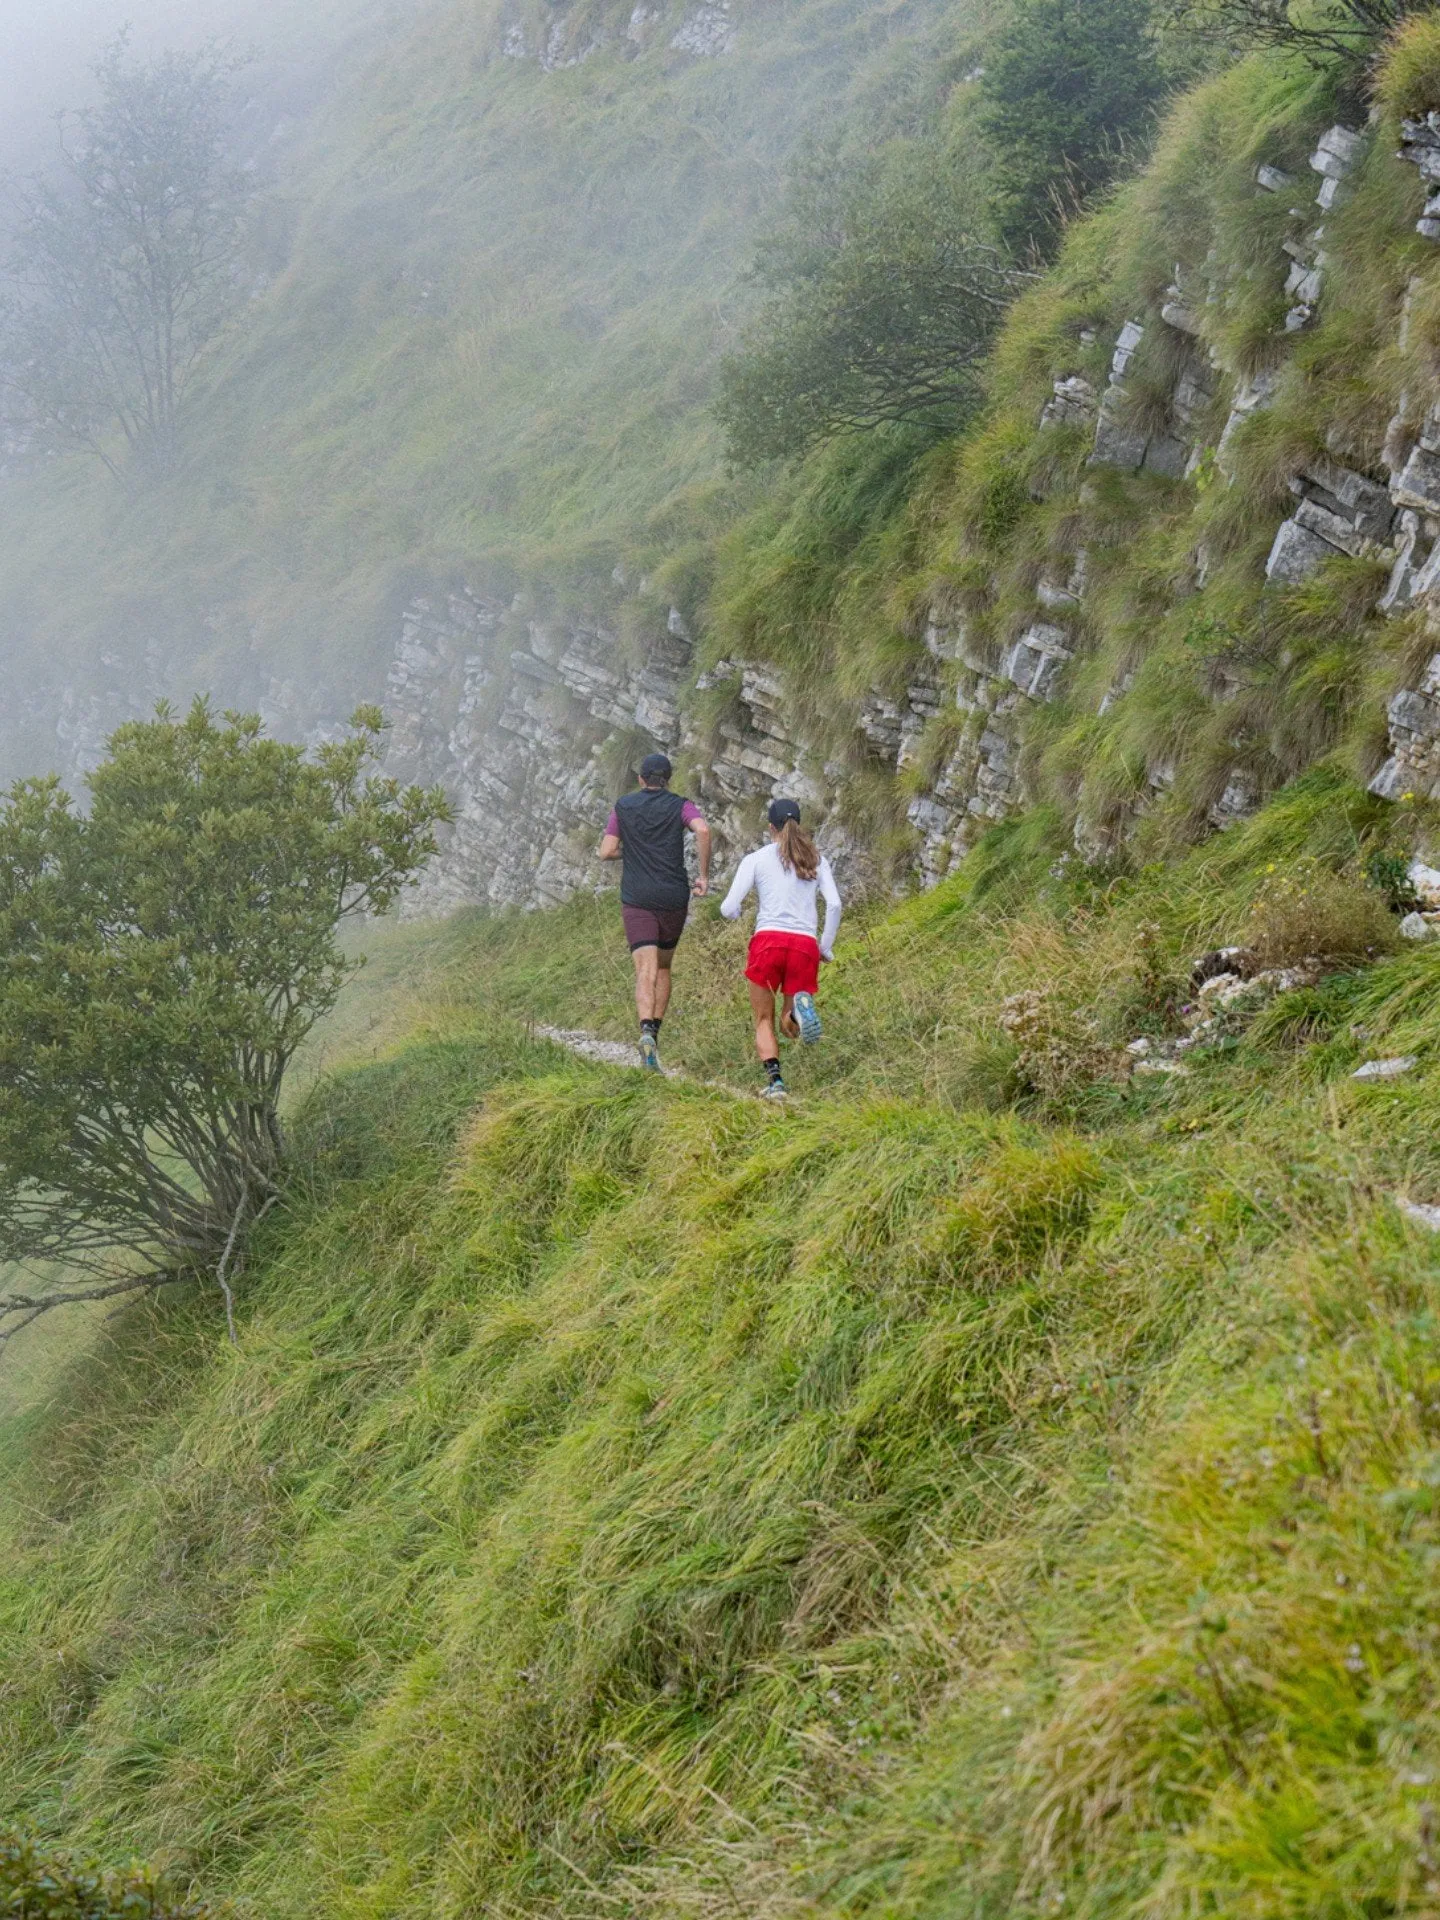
(34, 1886)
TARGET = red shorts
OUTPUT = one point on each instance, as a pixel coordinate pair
(784, 962)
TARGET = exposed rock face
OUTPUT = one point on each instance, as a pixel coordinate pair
(1420, 144)
(705, 34)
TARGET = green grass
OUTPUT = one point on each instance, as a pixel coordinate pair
(624, 1497)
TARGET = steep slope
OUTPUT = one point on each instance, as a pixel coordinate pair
(623, 1496)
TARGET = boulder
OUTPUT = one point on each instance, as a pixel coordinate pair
(1338, 152)
(1419, 483)
(1296, 553)
(1036, 660)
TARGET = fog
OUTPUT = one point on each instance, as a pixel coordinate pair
(47, 48)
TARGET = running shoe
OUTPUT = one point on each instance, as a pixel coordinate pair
(808, 1018)
(649, 1053)
(773, 1090)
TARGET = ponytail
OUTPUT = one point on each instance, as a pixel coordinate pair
(798, 852)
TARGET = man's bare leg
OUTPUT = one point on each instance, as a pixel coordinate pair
(663, 958)
(647, 969)
(789, 1025)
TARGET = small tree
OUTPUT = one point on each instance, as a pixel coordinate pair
(887, 295)
(1069, 89)
(161, 959)
(125, 265)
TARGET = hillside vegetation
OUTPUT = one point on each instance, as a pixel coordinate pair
(1191, 674)
(990, 1486)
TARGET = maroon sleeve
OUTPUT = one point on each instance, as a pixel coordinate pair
(612, 825)
(690, 813)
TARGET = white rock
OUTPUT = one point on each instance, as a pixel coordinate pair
(1296, 553)
(1129, 338)
(1417, 1211)
(1139, 1048)
(1385, 1069)
(1416, 927)
(1425, 880)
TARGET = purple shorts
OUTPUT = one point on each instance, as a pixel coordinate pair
(647, 927)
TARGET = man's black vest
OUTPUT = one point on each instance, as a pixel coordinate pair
(652, 834)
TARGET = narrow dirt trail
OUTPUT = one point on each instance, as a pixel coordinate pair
(589, 1046)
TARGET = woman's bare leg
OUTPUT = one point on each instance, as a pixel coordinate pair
(762, 1005)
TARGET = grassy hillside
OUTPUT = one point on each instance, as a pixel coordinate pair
(1002, 1484)
(1190, 670)
(997, 1485)
(498, 295)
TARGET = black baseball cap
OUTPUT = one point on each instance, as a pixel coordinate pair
(655, 767)
(783, 810)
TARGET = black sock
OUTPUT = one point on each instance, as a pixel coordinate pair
(772, 1070)
(652, 1027)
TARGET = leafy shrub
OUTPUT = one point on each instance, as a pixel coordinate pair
(1320, 31)
(1389, 874)
(886, 296)
(36, 1886)
(1310, 912)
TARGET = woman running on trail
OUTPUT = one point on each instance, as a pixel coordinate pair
(784, 953)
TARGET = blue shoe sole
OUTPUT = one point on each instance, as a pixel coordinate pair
(807, 1019)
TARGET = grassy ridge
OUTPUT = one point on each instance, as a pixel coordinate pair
(623, 1496)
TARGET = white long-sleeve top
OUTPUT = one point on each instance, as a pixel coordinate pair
(788, 904)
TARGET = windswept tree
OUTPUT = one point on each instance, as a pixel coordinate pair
(162, 957)
(886, 294)
(125, 262)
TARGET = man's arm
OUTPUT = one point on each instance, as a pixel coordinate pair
(609, 848)
(701, 830)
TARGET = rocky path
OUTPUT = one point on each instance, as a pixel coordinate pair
(589, 1046)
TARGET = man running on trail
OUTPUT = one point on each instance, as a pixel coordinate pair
(790, 875)
(646, 830)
